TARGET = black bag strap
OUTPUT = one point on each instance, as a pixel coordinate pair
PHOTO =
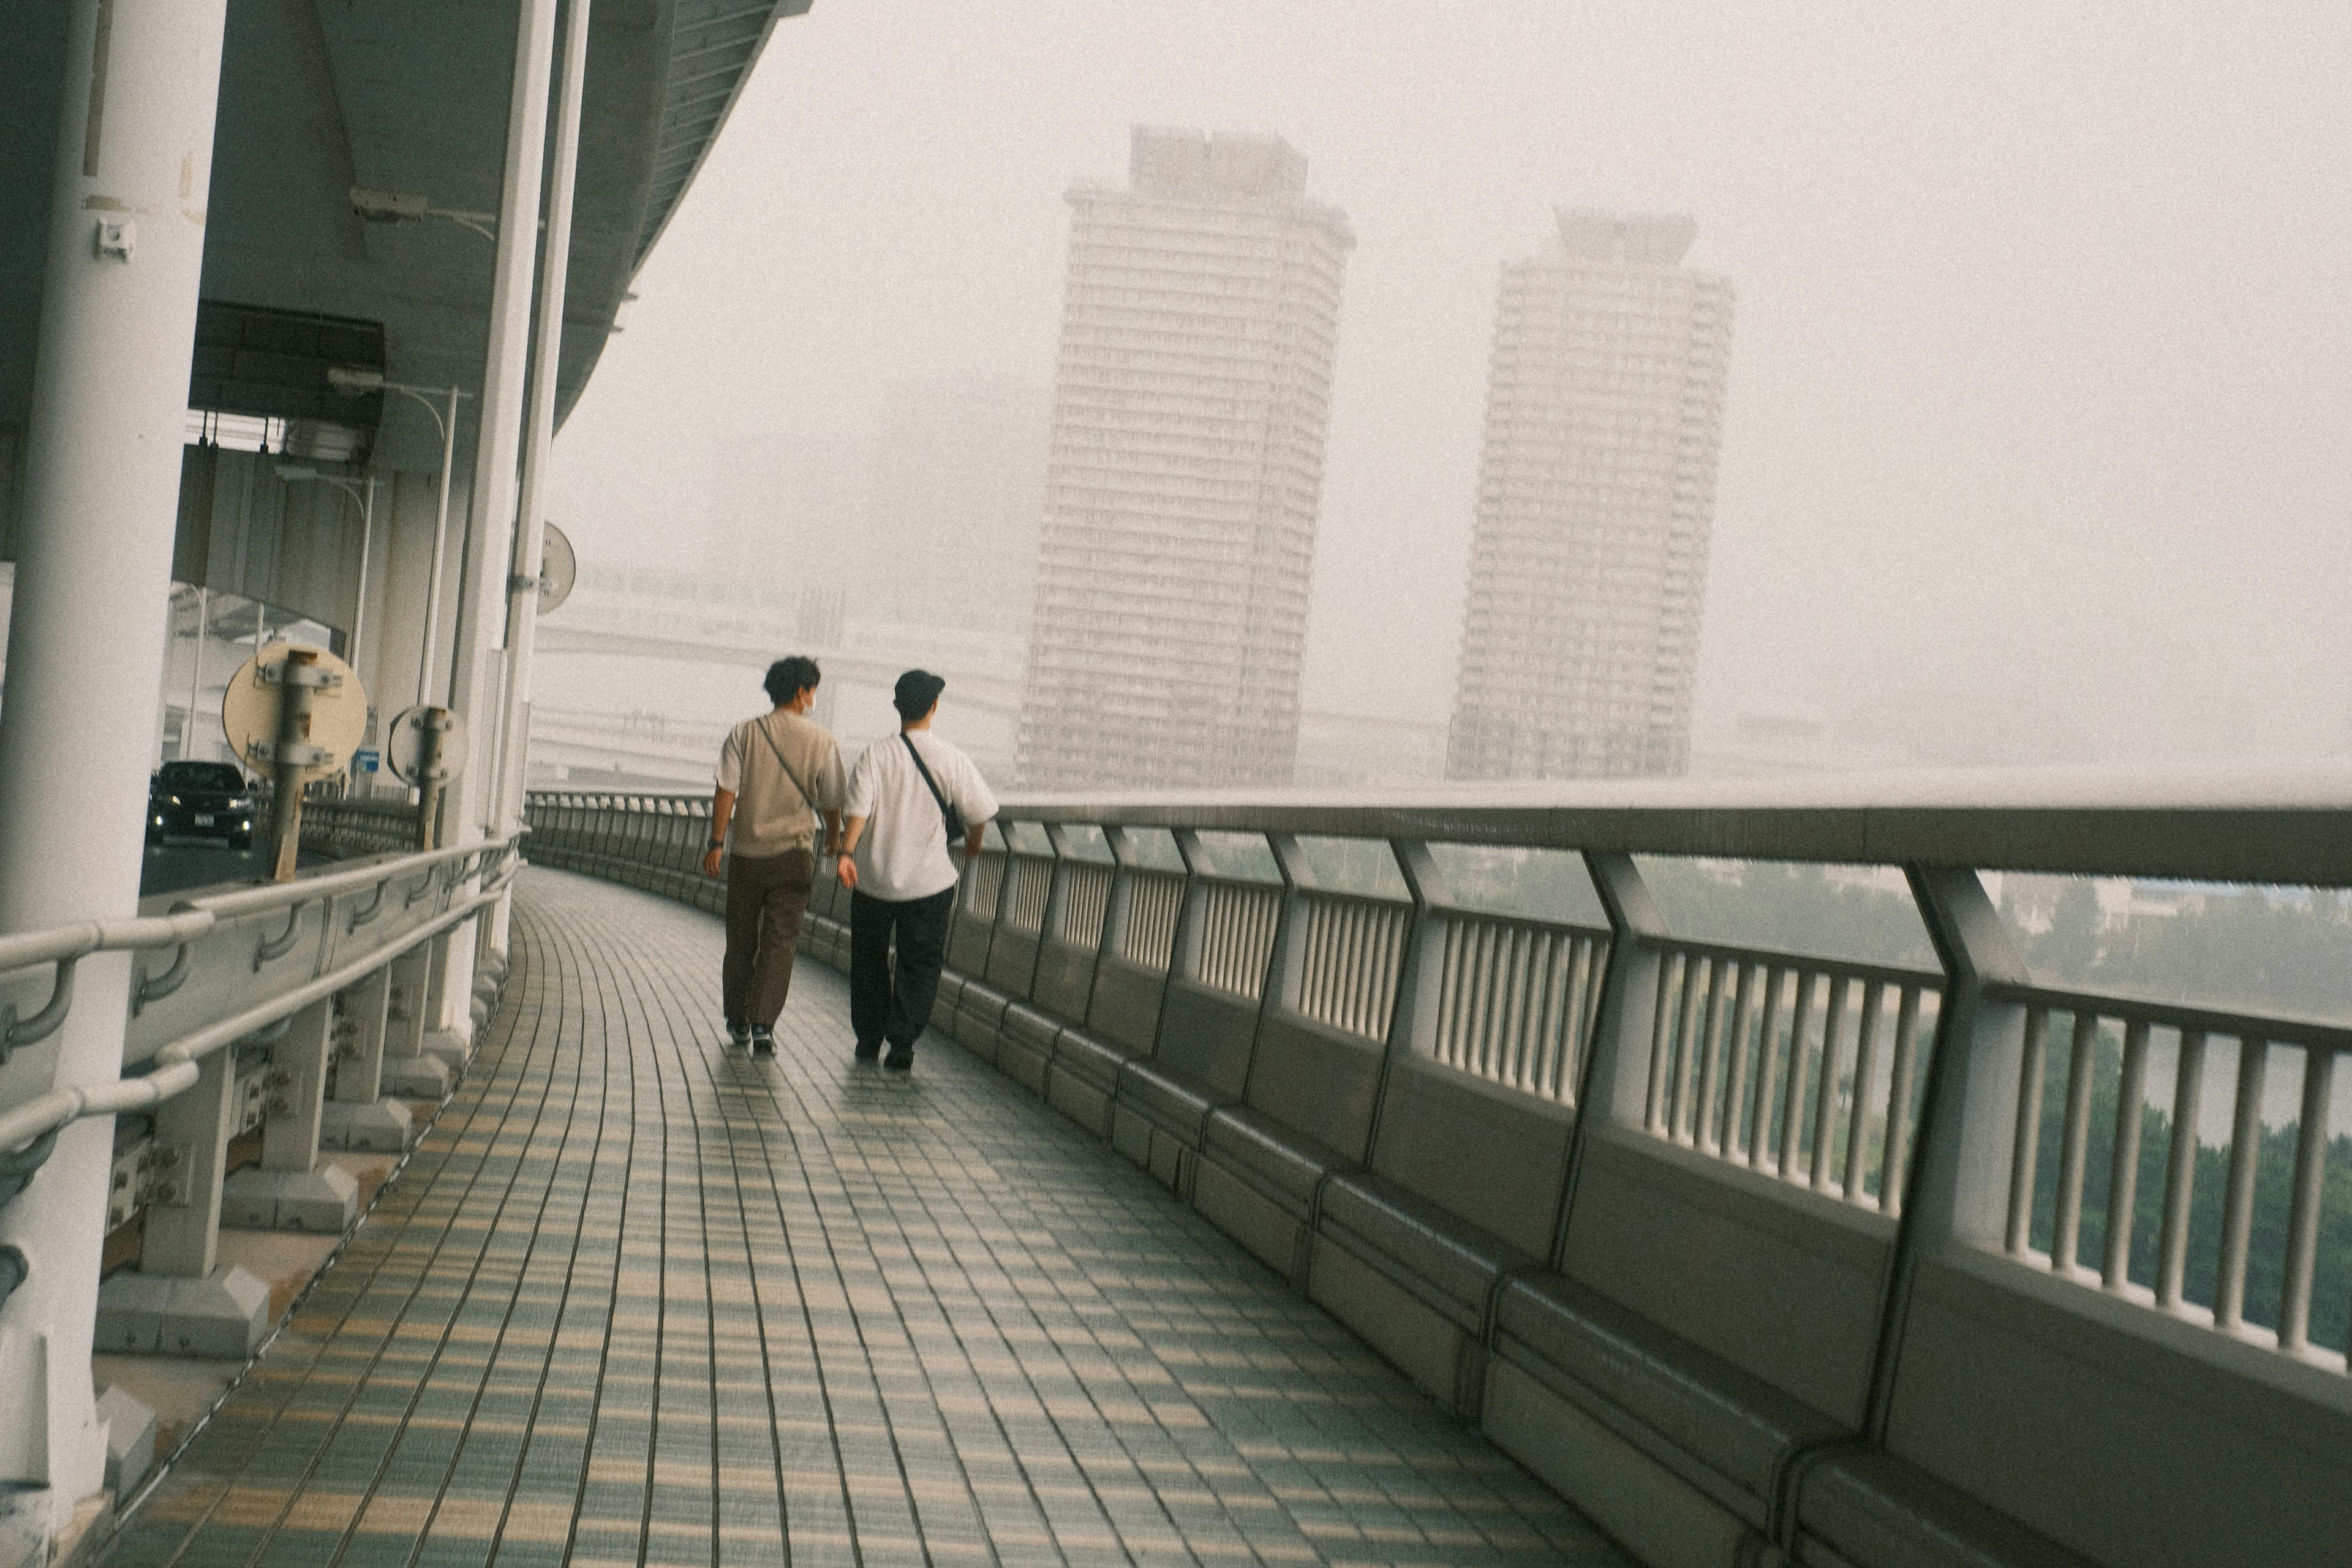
(761, 725)
(948, 817)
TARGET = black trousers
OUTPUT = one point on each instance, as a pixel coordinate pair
(891, 1001)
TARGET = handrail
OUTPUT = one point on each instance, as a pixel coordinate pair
(1818, 1071)
(189, 920)
(2289, 827)
(179, 1058)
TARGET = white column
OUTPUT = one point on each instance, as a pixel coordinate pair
(101, 485)
(490, 509)
(538, 437)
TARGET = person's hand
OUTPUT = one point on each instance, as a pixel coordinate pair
(845, 869)
(711, 865)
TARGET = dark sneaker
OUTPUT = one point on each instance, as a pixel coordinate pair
(867, 1053)
(764, 1040)
(739, 1034)
(899, 1059)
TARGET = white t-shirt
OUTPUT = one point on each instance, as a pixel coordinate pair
(903, 853)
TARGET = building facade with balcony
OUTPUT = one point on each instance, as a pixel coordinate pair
(1186, 463)
(1596, 493)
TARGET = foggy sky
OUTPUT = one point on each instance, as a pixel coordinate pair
(2041, 374)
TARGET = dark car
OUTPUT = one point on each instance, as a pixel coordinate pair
(200, 800)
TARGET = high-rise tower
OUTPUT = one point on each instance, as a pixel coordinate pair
(1184, 470)
(1596, 492)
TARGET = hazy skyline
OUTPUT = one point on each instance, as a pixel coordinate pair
(2039, 399)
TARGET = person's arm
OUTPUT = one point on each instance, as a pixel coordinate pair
(978, 803)
(722, 812)
(844, 867)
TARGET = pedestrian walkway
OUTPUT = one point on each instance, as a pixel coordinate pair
(639, 1299)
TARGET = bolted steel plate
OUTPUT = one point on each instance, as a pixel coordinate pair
(404, 745)
(339, 712)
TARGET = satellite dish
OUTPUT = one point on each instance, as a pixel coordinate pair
(559, 569)
(339, 712)
(405, 747)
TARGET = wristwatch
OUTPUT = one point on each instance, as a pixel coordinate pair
(718, 844)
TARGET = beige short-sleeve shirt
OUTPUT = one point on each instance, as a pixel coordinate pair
(772, 816)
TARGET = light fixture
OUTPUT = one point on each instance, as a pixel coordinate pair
(373, 205)
(358, 381)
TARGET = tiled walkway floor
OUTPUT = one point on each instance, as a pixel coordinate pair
(639, 1300)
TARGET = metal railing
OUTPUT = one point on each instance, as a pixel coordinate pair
(2128, 1256)
(1808, 1070)
(226, 977)
(1517, 1002)
(1815, 1073)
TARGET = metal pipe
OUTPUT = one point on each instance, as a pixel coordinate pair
(2237, 1197)
(440, 552)
(2123, 1171)
(2073, 1149)
(2180, 1170)
(195, 673)
(2304, 1206)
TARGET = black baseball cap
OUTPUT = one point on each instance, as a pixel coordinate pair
(916, 691)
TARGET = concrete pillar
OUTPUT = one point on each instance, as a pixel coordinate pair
(359, 1116)
(182, 1236)
(298, 1090)
(475, 675)
(101, 497)
(539, 439)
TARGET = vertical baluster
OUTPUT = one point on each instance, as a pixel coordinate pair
(1767, 1062)
(1340, 954)
(2123, 1171)
(2238, 1197)
(1573, 954)
(1552, 950)
(2180, 1171)
(1362, 966)
(1685, 1037)
(1662, 1024)
(1792, 1090)
(2303, 1207)
(1449, 991)
(1710, 1062)
(1826, 1095)
(1865, 1068)
(1316, 983)
(2074, 1150)
(2025, 1148)
(1492, 956)
(1511, 1005)
(1893, 1175)
(1510, 965)
(1735, 1090)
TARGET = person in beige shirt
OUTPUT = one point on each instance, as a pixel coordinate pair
(778, 775)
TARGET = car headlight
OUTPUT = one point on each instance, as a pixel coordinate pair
(176, 800)
(242, 803)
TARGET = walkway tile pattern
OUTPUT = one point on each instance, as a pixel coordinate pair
(640, 1299)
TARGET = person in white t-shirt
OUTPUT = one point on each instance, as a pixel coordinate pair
(894, 855)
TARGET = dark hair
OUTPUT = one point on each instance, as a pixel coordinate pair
(917, 693)
(788, 678)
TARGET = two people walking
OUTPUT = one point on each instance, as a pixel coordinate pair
(889, 827)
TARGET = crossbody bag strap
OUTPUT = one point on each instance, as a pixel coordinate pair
(941, 801)
(761, 726)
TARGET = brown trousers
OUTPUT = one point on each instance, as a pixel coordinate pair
(766, 897)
